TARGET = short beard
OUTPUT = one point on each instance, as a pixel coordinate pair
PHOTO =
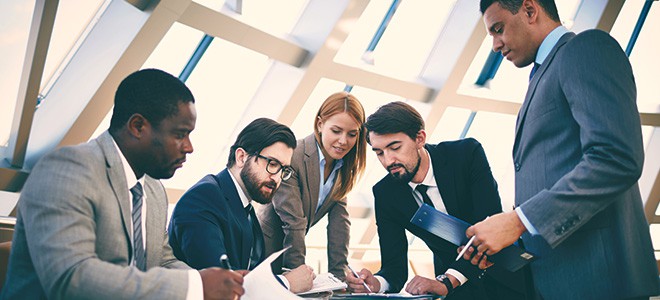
(253, 186)
(406, 176)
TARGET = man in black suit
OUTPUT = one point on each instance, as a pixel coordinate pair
(455, 178)
(216, 217)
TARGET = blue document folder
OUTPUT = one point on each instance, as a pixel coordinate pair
(453, 229)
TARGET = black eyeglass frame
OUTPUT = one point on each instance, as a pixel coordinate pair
(287, 171)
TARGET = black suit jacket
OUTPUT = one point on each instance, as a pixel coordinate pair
(209, 220)
(468, 191)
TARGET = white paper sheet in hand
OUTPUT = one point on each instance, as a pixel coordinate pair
(261, 284)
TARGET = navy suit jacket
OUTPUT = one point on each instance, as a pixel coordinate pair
(578, 154)
(468, 191)
(209, 220)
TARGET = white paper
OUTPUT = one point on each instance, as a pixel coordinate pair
(325, 282)
(261, 284)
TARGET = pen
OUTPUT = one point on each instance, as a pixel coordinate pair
(224, 262)
(468, 245)
(356, 276)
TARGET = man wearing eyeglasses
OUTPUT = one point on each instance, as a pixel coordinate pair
(216, 217)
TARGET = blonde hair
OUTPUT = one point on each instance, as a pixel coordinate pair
(355, 159)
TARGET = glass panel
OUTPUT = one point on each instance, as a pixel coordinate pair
(175, 49)
(15, 18)
(644, 56)
(73, 20)
(273, 17)
(451, 125)
(655, 236)
(496, 132)
(223, 83)
(399, 53)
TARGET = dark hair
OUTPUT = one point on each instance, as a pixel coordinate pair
(395, 117)
(259, 134)
(152, 93)
(513, 6)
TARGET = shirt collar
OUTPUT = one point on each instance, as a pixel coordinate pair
(131, 180)
(548, 43)
(244, 199)
(429, 179)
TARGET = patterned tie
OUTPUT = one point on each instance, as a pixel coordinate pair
(140, 257)
(257, 244)
(422, 190)
(534, 68)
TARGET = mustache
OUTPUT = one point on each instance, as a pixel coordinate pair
(395, 165)
(271, 184)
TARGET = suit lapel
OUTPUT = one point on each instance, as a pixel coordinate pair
(238, 213)
(313, 171)
(444, 179)
(115, 171)
(533, 84)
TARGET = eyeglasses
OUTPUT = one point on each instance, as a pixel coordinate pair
(273, 167)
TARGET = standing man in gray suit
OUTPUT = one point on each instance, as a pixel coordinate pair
(578, 155)
(91, 218)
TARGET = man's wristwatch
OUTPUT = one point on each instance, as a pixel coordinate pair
(445, 280)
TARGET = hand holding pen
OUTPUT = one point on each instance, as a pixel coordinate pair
(357, 284)
(222, 283)
(224, 262)
(475, 258)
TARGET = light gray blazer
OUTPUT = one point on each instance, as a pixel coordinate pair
(286, 220)
(578, 154)
(72, 236)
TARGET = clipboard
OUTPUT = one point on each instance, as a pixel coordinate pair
(452, 229)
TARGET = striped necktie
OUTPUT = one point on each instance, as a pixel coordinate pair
(139, 256)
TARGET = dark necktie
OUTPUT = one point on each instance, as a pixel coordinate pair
(534, 68)
(257, 243)
(139, 256)
(422, 190)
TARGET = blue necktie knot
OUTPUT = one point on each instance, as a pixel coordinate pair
(534, 69)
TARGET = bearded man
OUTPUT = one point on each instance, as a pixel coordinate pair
(454, 177)
(216, 217)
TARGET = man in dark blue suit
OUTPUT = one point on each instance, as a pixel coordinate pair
(455, 178)
(578, 154)
(216, 217)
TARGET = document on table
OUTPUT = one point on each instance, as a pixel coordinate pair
(261, 284)
(325, 282)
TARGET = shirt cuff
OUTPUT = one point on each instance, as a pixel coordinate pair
(384, 285)
(530, 228)
(458, 275)
(195, 287)
(285, 281)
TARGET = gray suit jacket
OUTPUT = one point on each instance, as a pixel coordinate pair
(286, 220)
(72, 237)
(578, 154)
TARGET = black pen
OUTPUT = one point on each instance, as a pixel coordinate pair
(224, 262)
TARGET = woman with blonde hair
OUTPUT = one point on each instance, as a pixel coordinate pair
(326, 166)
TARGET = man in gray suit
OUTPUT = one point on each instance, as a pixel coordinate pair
(578, 155)
(91, 218)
